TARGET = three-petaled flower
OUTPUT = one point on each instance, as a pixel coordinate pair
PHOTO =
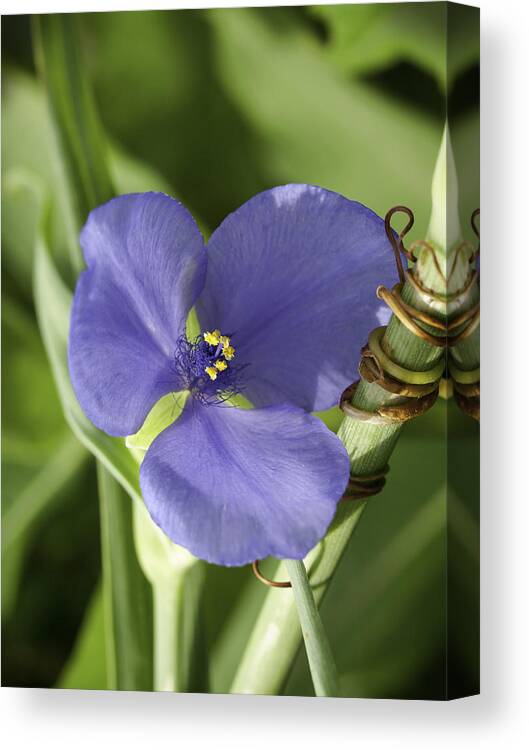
(285, 296)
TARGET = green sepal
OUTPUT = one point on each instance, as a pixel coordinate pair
(162, 414)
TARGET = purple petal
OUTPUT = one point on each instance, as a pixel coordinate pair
(292, 275)
(146, 265)
(236, 485)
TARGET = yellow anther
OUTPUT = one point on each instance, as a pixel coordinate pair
(212, 337)
(221, 365)
(212, 372)
(224, 340)
(228, 352)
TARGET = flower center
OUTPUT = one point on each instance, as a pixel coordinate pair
(206, 368)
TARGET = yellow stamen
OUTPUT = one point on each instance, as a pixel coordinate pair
(220, 365)
(212, 372)
(212, 337)
(224, 340)
(228, 352)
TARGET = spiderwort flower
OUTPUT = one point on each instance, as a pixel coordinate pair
(285, 296)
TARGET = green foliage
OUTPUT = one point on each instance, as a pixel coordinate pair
(24, 509)
(30, 169)
(82, 145)
(86, 669)
(179, 118)
(368, 38)
(27, 440)
(39, 456)
(315, 126)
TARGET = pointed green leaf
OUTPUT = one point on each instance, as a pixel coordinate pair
(83, 148)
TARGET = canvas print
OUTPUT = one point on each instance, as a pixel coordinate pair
(240, 350)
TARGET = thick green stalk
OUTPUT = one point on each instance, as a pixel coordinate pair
(321, 661)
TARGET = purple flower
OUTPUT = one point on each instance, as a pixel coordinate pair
(285, 297)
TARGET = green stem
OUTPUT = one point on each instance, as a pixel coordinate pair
(177, 632)
(167, 608)
(128, 622)
(177, 580)
(166, 602)
(276, 635)
(321, 661)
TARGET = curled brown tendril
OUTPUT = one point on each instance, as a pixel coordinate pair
(268, 581)
(397, 242)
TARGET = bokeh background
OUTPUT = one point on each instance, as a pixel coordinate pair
(213, 106)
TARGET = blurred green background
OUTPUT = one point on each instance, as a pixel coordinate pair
(213, 106)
